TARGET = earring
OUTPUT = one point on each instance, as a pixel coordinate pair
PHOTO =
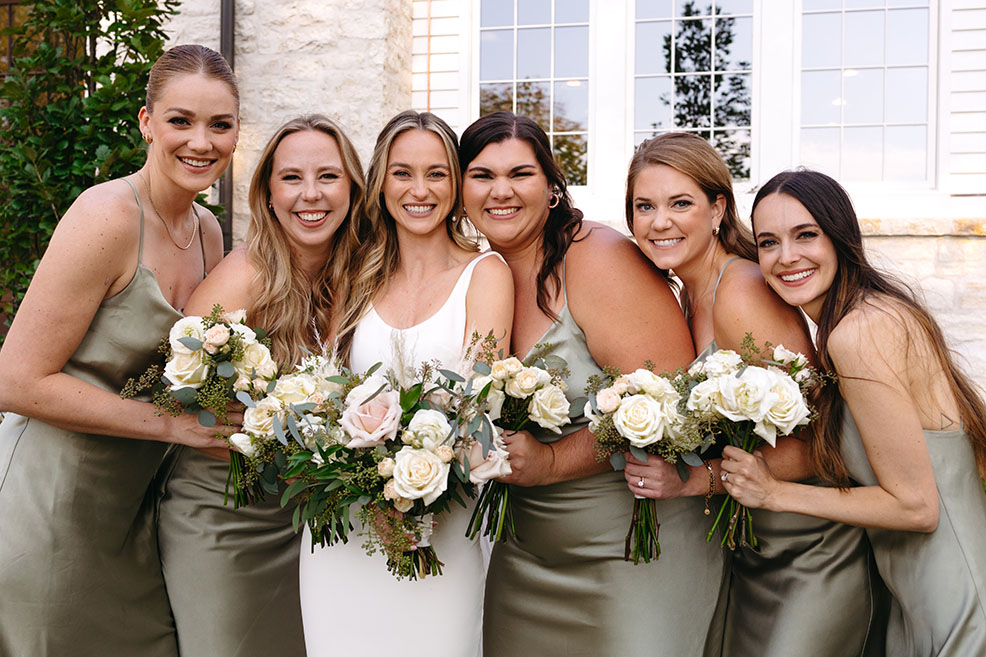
(555, 200)
(147, 137)
(715, 230)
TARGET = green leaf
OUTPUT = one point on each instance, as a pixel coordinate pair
(639, 454)
(301, 409)
(481, 367)
(341, 380)
(279, 430)
(577, 407)
(451, 376)
(192, 343)
(245, 399)
(691, 458)
(225, 369)
(207, 418)
(260, 333)
(184, 395)
(683, 472)
(618, 461)
(554, 362)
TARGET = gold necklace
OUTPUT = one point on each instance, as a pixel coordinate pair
(147, 184)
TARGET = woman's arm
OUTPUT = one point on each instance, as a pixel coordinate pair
(744, 304)
(629, 315)
(868, 349)
(92, 255)
(490, 302)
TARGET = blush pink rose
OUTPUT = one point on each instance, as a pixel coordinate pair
(374, 422)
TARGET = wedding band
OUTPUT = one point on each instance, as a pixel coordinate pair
(724, 475)
(640, 484)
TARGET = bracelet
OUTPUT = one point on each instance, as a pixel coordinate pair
(712, 486)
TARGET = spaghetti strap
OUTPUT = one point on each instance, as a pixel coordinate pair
(719, 280)
(198, 223)
(140, 244)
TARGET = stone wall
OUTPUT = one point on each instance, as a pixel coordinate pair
(348, 59)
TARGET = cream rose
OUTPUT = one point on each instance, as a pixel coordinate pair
(593, 418)
(525, 382)
(549, 407)
(215, 338)
(787, 412)
(403, 504)
(186, 370)
(186, 327)
(428, 428)
(495, 464)
(621, 385)
(704, 397)
(494, 398)
(385, 468)
(259, 419)
(506, 368)
(243, 444)
(607, 400)
(746, 397)
(420, 474)
(235, 316)
(370, 423)
(295, 388)
(445, 453)
(257, 362)
(723, 362)
(641, 420)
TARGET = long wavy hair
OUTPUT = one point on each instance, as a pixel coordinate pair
(564, 220)
(378, 256)
(857, 281)
(297, 311)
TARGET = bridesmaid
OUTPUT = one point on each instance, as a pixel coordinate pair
(807, 590)
(232, 574)
(79, 567)
(563, 587)
(420, 283)
(903, 421)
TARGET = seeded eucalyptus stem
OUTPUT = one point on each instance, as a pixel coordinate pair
(642, 538)
(740, 518)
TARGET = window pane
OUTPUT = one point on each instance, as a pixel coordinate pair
(821, 36)
(733, 99)
(652, 103)
(692, 96)
(816, 5)
(864, 38)
(570, 151)
(495, 13)
(820, 149)
(862, 151)
(906, 98)
(534, 102)
(653, 48)
(571, 52)
(693, 45)
(907, 37)
(534, 53)
(571, 106)
(496, 97)
(863, 96)
(653, 9)
(734, 6)
(734, 43)
(821, 97)
(571, 11)
(864, 4)
(906, 153)
(734, 147)
(496, 55)
(533, 12)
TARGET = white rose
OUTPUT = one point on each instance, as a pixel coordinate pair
(310, 427)
(420, 474)
(642, 420)
(504, 369)
(495, 464)
(621, 385)
(784, 356)
(385, 468)
(186, 370)
(186, 327)
(322, 368)
(295, 388)
(698, 367)
(494, 398)
(403, 504)
(787, 412)
(704, 397)
(247, 335)
(445, 453)
(235, 316)
(389, 492)
(243, 382)
(651, 384)
(523, 384)
(746, 397)
(593, 418)
(429, 428)
(216, 337)
(607, 400)
(723, 362)
(374, 422)
(257, 362)
(549, 407)
(259, 420)
(243, 444)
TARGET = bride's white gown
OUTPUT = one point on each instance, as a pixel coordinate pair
(350, 604)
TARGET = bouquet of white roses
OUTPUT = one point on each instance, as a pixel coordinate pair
(641, 412)
(750, 404)
(395, 456)
(515, 394)
(209, 362)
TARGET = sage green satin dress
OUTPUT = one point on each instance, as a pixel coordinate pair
(938, 580)
(563, 588)
(79, 568)
(810, 589)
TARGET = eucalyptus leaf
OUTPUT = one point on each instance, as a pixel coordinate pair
(279, 430)
(280, 461)
(692, 459)
(260, 333)
(451, 376)
(683, 472)
(639, 454)
(554, 362)
(341, 380)
(192, 343)
(618, 461)
(245, 399)
(207, 418)
(374, 368)
(577, 407)
(364, 500)
(269, 474)
(301, 409)
(271, 386)
(225, 369)
(184, 395)
(293, 428)
(482, 367)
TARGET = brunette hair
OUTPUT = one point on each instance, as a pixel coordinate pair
(378, 254)
(189, 58)
(564, 220)
(697, 159)
(855, 282)
(295, 311)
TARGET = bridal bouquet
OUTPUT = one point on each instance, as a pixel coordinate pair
(515, 394)
(749, 405)
(642, 413)
(209, 362)
(393, 454)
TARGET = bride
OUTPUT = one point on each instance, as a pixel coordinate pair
(418, 284)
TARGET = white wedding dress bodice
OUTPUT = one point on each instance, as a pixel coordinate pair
(350, 604)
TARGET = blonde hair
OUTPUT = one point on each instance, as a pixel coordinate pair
(378, 255)
(189, 58)
(295, 311)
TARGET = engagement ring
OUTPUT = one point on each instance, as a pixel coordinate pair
(724, 475)
(640, 484)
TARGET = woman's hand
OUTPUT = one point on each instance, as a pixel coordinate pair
(211, 441)
(748, 479)
(531, 461)
(656, 478)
